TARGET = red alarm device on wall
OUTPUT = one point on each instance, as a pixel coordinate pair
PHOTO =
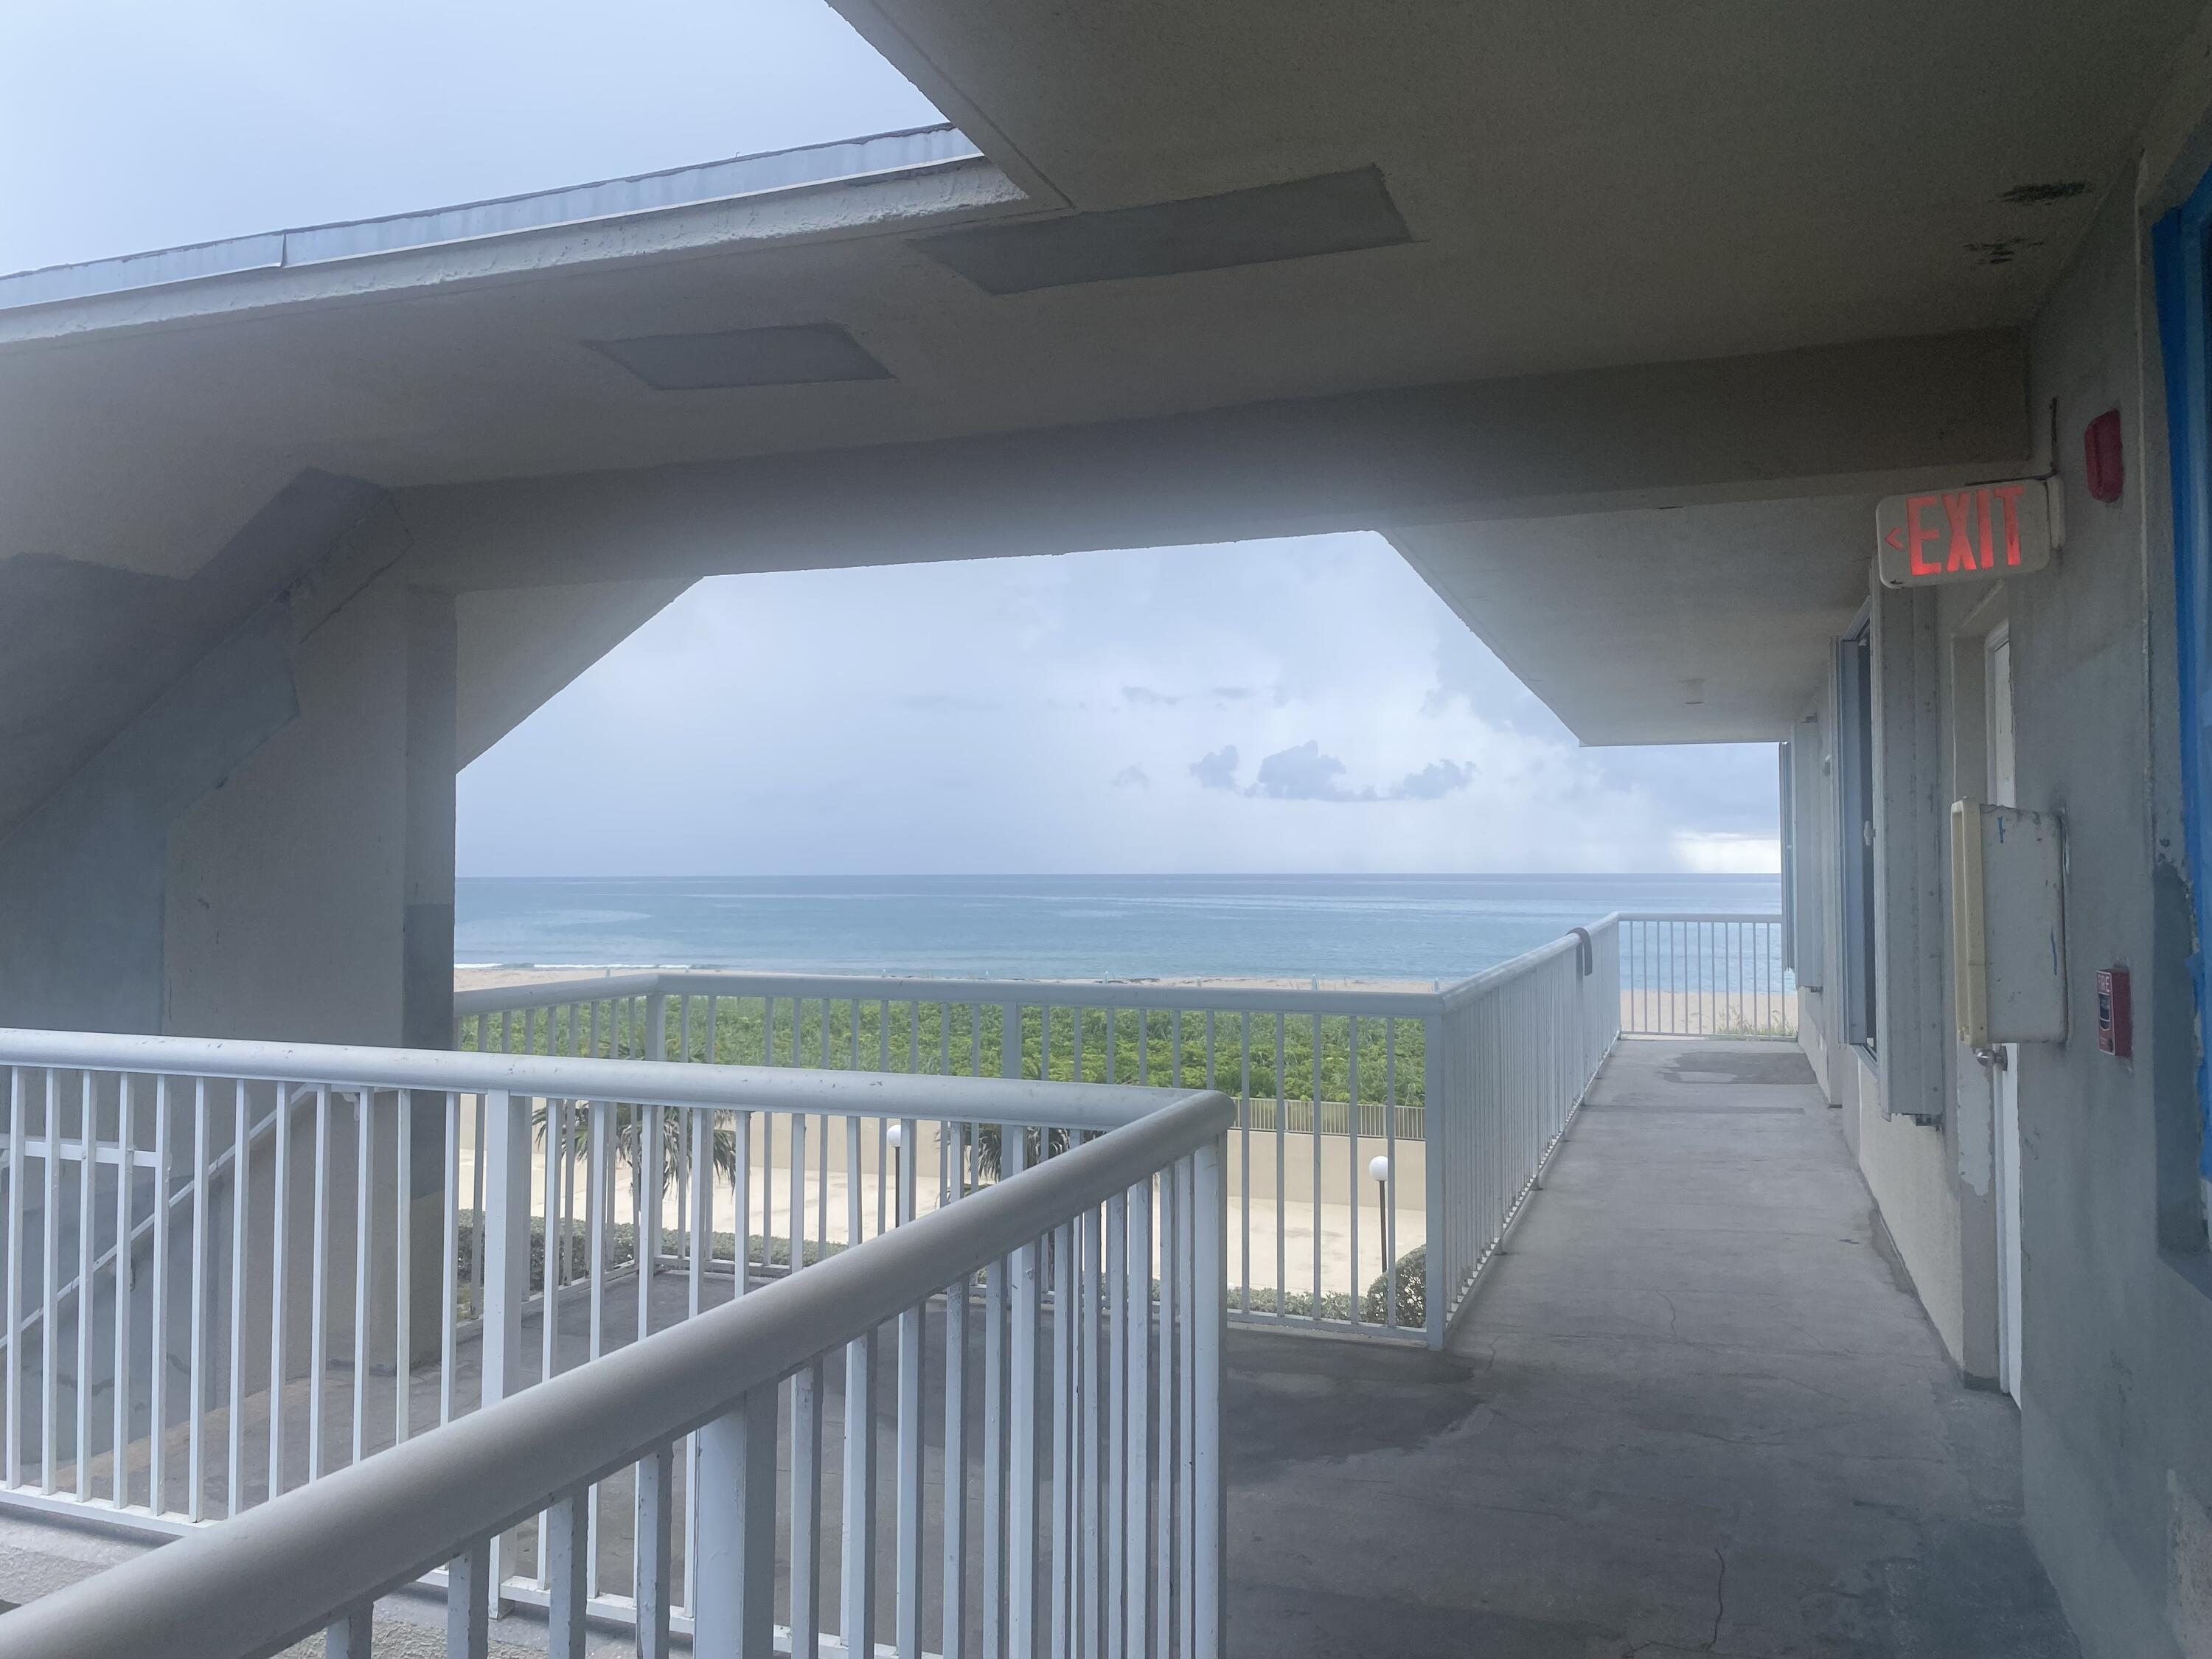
(2115, 1019)
(2100, 454)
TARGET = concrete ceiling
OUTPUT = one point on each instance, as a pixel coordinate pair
(1584, 185)
(1582, 189)
(1702, 625)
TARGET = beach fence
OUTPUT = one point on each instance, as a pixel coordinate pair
(1383, 1138)
(1709, 975)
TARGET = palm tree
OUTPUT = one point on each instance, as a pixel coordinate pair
(629, 1127)
(986, 1148)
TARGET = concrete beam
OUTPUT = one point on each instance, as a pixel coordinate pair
(1833, 420)
(517, 648)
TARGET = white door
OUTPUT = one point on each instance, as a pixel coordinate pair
(2005, 1080)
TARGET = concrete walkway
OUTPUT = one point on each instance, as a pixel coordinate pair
(1692, 1411)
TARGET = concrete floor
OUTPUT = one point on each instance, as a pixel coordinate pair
(1692, 1409)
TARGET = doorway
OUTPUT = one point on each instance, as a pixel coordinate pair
(2004, 1075)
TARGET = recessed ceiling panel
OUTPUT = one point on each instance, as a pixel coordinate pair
(1334, 213)
(796, 355)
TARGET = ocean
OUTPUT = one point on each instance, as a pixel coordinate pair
(1386, 927)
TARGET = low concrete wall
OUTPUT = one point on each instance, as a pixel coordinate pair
(1909, 1175)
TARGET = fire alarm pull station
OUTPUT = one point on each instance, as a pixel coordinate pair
(2115, 1019)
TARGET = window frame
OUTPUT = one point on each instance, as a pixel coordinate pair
(1856, 867)
(2181, 250)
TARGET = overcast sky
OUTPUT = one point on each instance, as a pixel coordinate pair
(1264, 707)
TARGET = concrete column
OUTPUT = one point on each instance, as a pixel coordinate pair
(425, 991)
(426, 997)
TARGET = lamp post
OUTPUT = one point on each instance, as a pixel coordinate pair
(897, 1136)
(1378, 1170)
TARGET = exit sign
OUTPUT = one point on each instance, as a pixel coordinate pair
(1971, 533)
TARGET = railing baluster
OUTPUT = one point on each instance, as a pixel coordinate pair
(599, 1197)
(1209, 1483)
(364, 1176)
(857, 1563)
(568, 1526)
(18, 1151)
(654, 1564)
(506, 1267)
(318, 1313)
(741, 1197)
(1388, 1220)
(1137, 1584)
(450, 1319)
(1064, 1319)
(241, 1171)
(736, 1602)
(1022, 1493)
(702, 1220)
(1114, 1483)
(907, 1524)
(1088, 1309)
(88, 1149)
(807, 1480)
(1163, 1490)
(352, 1635)
(196, 1372)
(953, 1630)
(403, 1259)
(1353, 1169)
(476, 1176)
(1187, 1304)
(1244, 1172)
(994, 1455)
(1313, 1103)
(1282, 1188)
(50, 1252)
(468, 1603)
(796, 1257)
(126, 1164)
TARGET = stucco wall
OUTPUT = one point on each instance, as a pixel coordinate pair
(283, 889)
(2117, 1332)
(1910, 1178)
(82, 876)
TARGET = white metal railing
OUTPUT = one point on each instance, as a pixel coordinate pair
(1332, 1086)
(1517, 1048)
(1718, 975)
(619, 1460)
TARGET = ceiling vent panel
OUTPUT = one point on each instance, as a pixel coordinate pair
(1333, 213)
(803, 355)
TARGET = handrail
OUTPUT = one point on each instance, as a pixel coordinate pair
(1477, 986)
(1021, 1102)
(1769, 916)
(253, 1585)
(1154, 994)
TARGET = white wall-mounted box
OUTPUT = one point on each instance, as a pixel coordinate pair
(2008, 925)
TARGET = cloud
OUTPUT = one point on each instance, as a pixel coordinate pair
(1434, 781)
(1144, 697)
(1217, 770)
(1235, 693)
(1712, 854)
(1338, 639)
(1132, 777)
(1303, 773)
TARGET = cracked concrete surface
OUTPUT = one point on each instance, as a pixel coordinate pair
(1691, 1411)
